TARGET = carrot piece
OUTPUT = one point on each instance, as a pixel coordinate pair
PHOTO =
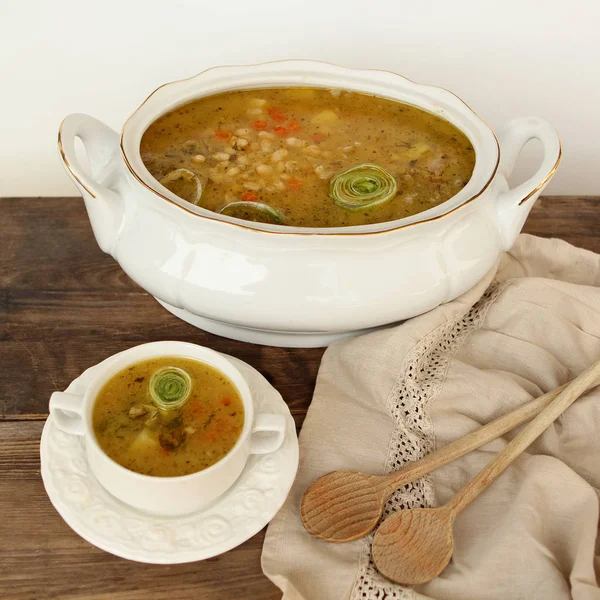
(259, 124)
(249, 197)
(294, 183)
(223, 135)
(280, 130)
(276, 115)
(225, 401)
(318, 137)
(195, 408)
(218, 426)
(293, 125)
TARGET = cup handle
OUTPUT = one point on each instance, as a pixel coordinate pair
(264, 445)
(62, 403)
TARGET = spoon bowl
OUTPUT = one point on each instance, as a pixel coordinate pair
(414, 546)
(343, 505)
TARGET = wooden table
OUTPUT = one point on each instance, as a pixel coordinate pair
(64, 307)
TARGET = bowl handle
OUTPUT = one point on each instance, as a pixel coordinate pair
(515, 203)
(101, 144)
(268, 423)
(63, 403)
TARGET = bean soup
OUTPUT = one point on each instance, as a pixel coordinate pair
(168, 416)
(307, 157)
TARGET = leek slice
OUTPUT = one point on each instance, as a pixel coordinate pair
(170, 388)
(183, 183)
(252, 211)
(362, 187)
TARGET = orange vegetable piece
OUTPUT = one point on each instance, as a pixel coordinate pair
(259, 124)
(293, 125)
(219, 426)
(249, 197)
(318, 137)
(294, 183)
(276, 115)
(225, 401)
(223, 135)
(195, 408)
(280, 130)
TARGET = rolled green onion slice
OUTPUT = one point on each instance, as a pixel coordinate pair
(362, 187)
(183, 183)
(252, 211)
(170, 387)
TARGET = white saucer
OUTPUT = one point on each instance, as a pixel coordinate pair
(104, 521)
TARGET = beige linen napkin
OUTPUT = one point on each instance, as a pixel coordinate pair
(394, 395)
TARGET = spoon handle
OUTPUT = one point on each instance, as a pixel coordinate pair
(496, 467)
(471, 441)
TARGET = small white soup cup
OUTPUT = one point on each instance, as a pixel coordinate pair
(166, 496)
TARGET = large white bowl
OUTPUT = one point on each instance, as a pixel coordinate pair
(295, 286)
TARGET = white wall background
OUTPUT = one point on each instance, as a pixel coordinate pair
(505, 58)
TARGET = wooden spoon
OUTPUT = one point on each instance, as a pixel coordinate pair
(346, 505)
(414, 546)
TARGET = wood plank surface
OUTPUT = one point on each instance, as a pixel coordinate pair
(41, 558)
(64, 306)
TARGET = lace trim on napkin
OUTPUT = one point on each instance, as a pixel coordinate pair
(420, 381)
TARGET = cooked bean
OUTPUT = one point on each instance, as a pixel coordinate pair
(233, 171)
(266, 146)
(250, 185)
(266, 135)
(322, 173)
(295, 142)
(215, 175)
(242, 132)
(198, 158)
(264, 169)
(221, 156)
(313, 149)
(279, 154)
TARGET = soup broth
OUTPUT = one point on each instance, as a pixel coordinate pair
(308, 157)
(139, 431)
